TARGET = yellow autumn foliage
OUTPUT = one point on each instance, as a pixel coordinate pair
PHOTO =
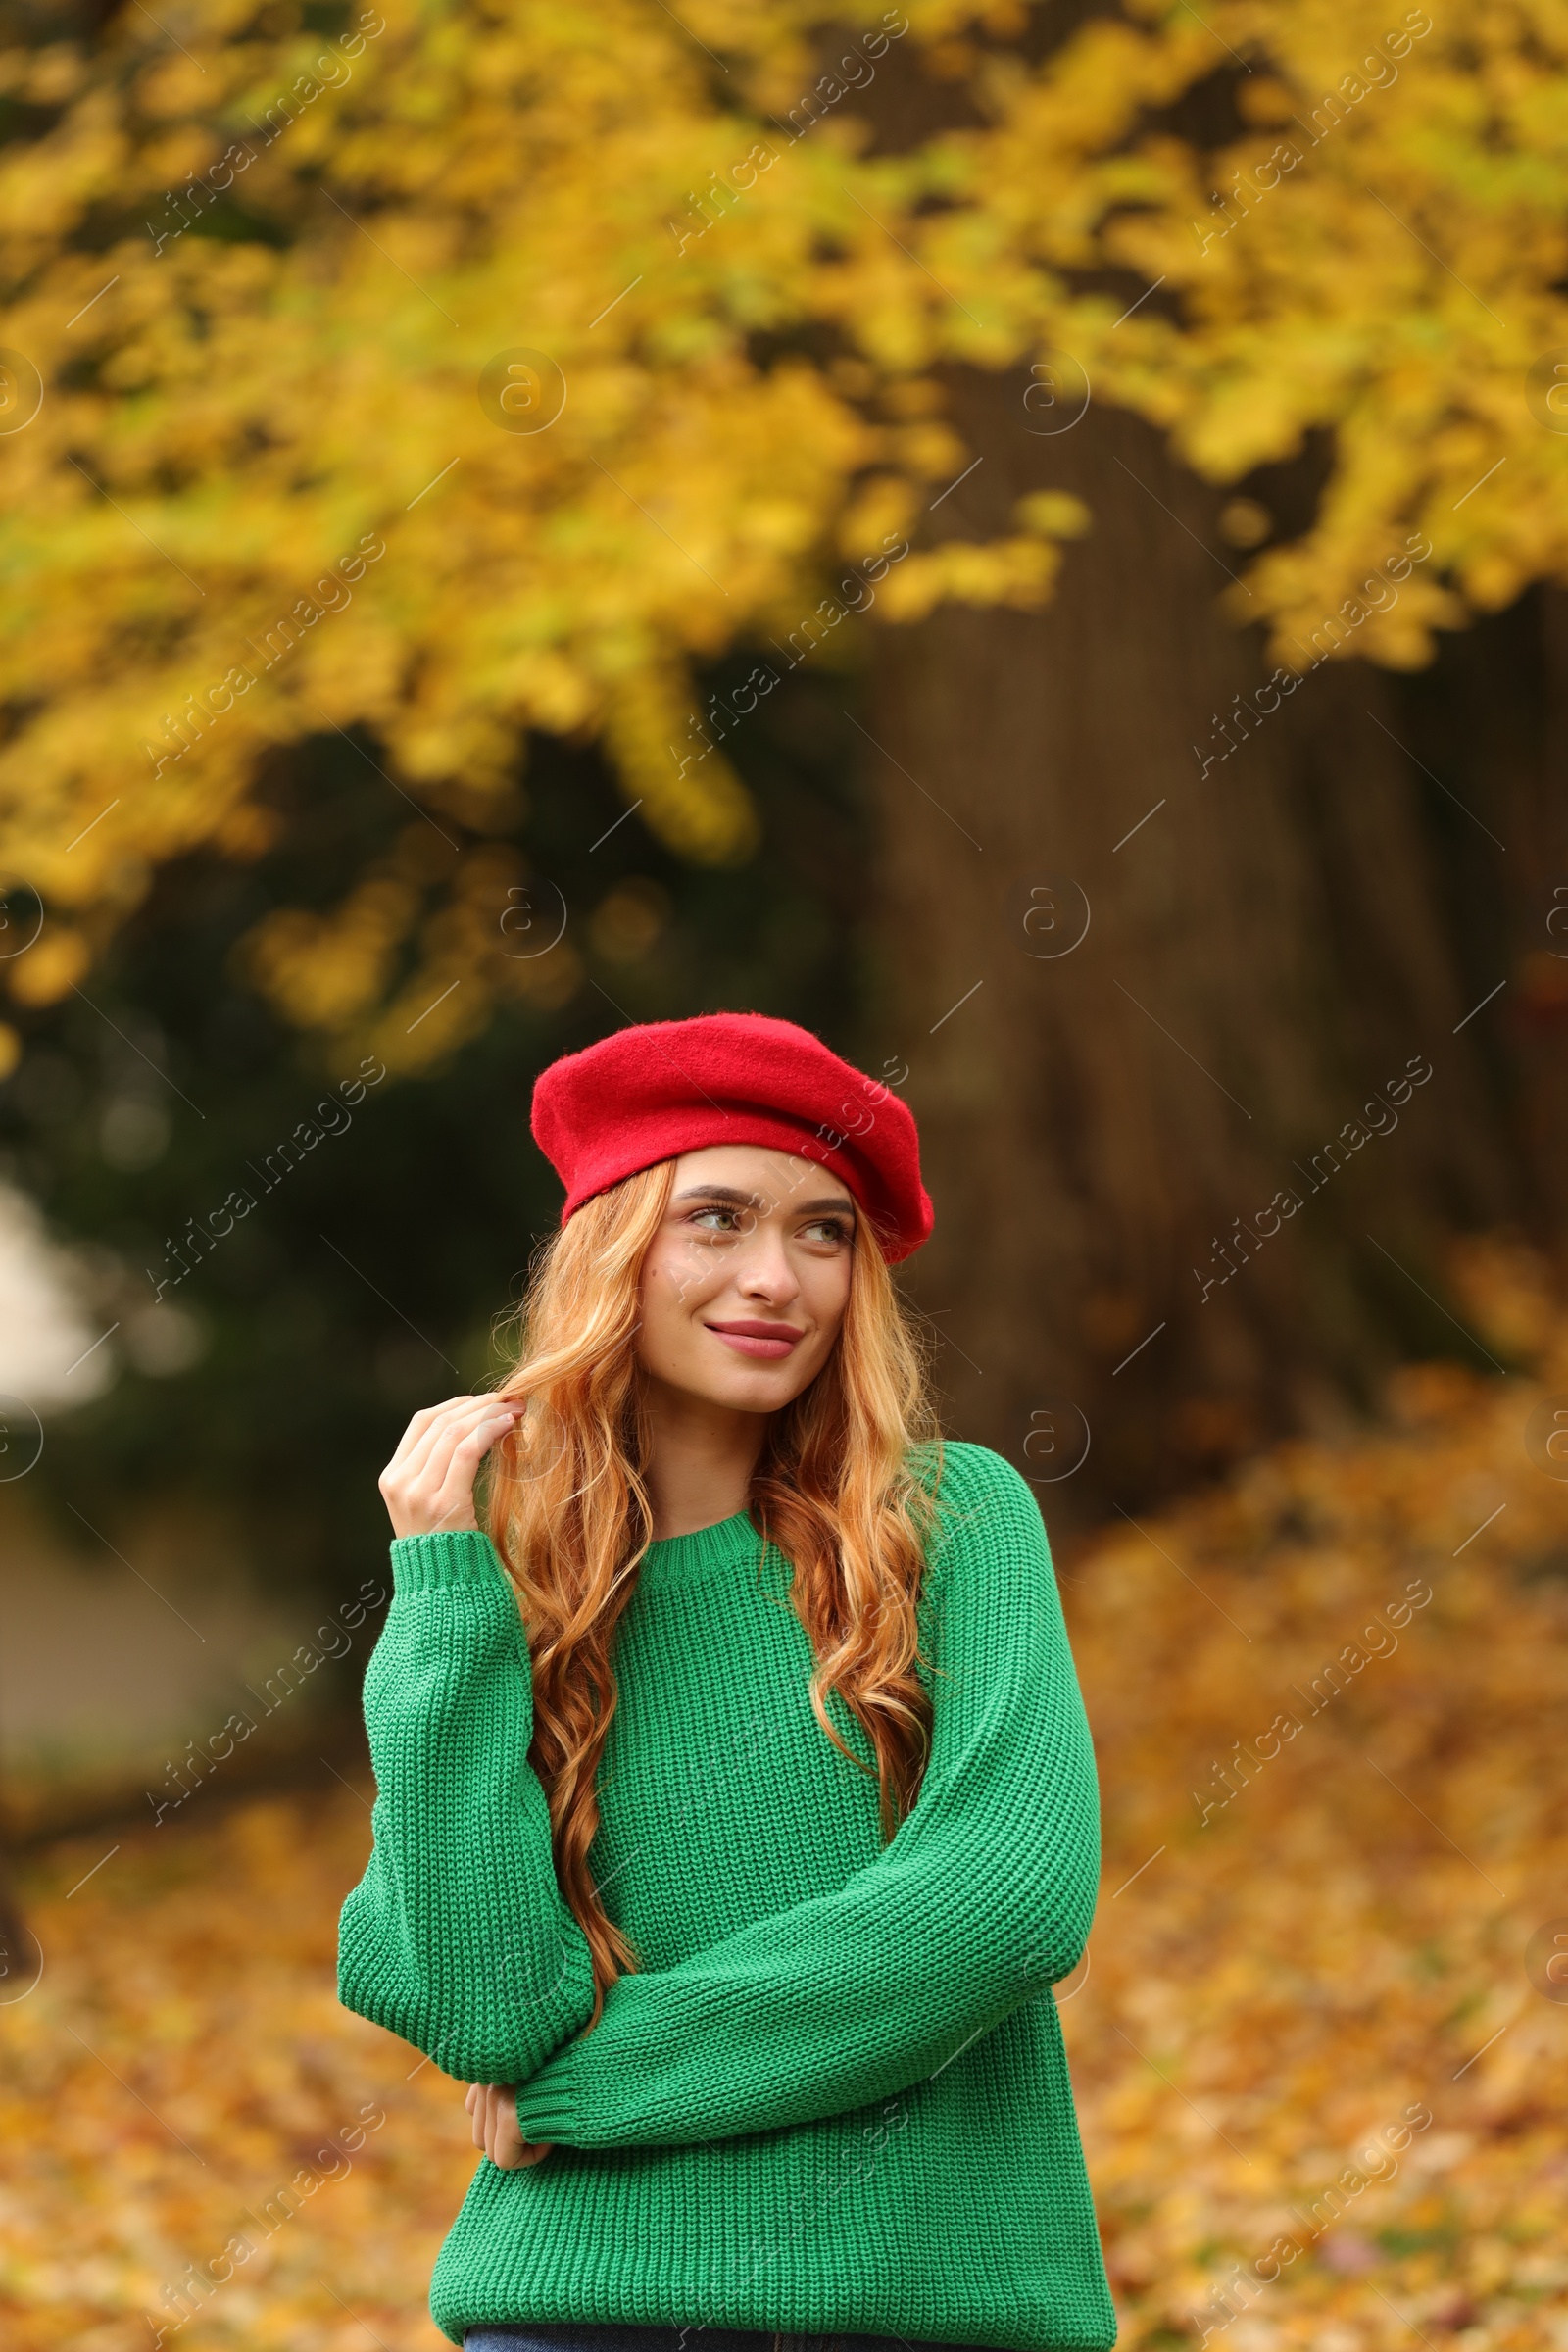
(461, 372)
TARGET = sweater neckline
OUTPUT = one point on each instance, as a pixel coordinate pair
(706, 1551)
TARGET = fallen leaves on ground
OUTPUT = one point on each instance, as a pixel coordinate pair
(1321, 1877)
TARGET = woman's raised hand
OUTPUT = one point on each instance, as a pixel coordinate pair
(427, 1485)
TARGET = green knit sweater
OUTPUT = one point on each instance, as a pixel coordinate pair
(834, 2098)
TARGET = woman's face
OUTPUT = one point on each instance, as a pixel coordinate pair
(746, 1281)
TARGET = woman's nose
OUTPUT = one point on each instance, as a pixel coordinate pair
(767, 1271)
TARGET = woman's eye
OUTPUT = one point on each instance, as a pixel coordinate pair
(827, 1229)
(703, 1216)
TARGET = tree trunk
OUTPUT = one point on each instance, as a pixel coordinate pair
(1489, 724)
(1144, 1242)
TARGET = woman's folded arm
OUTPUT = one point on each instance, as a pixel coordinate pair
(456, 1937)
(982, 1900)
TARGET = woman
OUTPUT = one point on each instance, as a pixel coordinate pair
(737, 1808)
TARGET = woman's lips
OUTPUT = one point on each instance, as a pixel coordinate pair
(768, 1340)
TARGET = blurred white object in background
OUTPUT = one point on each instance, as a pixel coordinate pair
(52, 1354)
(124, 1636)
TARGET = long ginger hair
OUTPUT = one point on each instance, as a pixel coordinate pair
(835, 1490)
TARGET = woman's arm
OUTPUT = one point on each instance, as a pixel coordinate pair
(456, 1937)
(983, 1898)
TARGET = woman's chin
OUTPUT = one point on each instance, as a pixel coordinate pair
(753, 1393)
(739, 1387)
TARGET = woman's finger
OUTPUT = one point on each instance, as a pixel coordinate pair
(455, 1413)
(407, 1463)
(502, 2134)
(493, 2108)
(410, 1490)
(419, 1427)
(444, 1492)
(495, 2136)
(426, 1471)
(464, 1445)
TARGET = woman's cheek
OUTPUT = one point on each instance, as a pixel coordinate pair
(674, 1282)
(827, 1293)
(809, 1361)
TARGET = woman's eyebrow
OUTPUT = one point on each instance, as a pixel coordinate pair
(835, 1204)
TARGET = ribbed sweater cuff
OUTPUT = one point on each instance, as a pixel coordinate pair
(546, 2107)
(461, 1556)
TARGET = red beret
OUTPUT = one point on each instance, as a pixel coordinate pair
(654, 1091)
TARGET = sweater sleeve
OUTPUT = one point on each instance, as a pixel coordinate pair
(456, 1937)
(983, 1897)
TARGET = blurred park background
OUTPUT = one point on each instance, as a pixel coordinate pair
(1033, 540)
